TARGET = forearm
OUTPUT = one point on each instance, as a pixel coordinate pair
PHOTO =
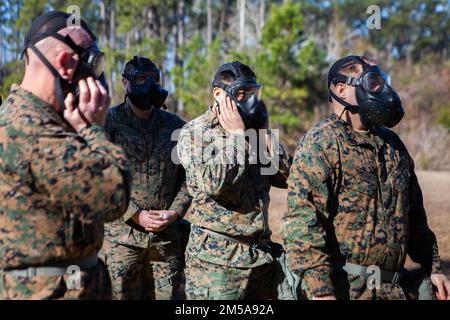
(182, 201)
(280, 161)
(303, 223)
(422, 246)
(96, 138)
(132, 210)
(221, 170)
(81, 178)
(305, 242)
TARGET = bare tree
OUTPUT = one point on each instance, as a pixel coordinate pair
(208, 22)
(261, 20)
(223, 16)
(241, 23)
(179, 44)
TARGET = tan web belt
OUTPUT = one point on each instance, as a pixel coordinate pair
(59, 269)
(358, 270)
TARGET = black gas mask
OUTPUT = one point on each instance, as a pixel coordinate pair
(252, 112)
(244, 90)
(145, 93)
(91, 61)
(378, 103)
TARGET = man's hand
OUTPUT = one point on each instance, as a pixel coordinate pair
(229, 117)
(441, 282)
(93, 105)
(326, 297)
(158, 220)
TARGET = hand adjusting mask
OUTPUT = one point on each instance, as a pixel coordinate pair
(91, 61)
(250, 108)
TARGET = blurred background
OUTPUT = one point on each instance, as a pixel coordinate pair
(289, 44)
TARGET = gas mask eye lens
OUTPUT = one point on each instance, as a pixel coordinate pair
(141, 79)
(98, 64)
(94, 62)
(374, 82)
(243, 93)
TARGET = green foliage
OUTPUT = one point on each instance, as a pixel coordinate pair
(10, 73)
(193, 80)
(443, 116)
(288, 65)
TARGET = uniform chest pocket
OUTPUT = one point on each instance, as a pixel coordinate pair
(133, 144)
(165, 152)
(400, 177)
(360, 181)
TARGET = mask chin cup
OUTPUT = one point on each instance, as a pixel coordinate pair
(147, 95)
(397, 111)
(372, 114)
(253, 115)
(162, 96)
(139, 101)
(382, 108)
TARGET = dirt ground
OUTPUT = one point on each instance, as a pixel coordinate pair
(436, 192)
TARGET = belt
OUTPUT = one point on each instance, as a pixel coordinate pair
(159, 283)
(55, 270)
(358, 270)
(259, 243)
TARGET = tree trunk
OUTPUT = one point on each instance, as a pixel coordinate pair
(112, 41)
(102, 36)
(208, 23)
(180, 44)
(154, 28)
(223, 16)
(112, 26)
(241, 23)
(261, 20)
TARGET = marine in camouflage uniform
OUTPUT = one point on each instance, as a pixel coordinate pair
(57, 188)
(353, 197)
(228, 252)
(142, 264)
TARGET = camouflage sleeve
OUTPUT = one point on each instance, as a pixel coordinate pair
(279, 180)
(183, 199)
(211, 168)
(109, 126)
(422, 245)
(85, 171)
(302, 225)
(110, 131)
(132, 209)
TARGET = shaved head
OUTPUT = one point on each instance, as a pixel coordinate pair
(50, 46)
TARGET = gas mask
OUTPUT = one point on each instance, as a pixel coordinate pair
(145, 92)
(378, 103)
(249, 107)
(91, 61)
(91, 64)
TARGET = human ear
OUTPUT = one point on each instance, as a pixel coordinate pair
(217, 94)
(66, 64)
(340, 90)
